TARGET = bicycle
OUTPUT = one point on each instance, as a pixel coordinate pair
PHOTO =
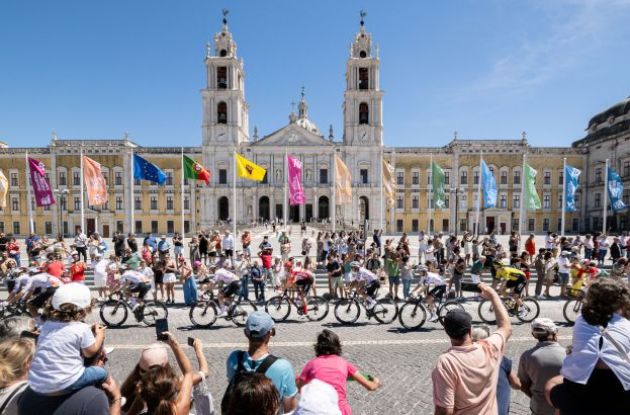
(413, 314)
(279, 307)
(8, 310)
(114, 311)
(573, 306)
(348, 310)
(530, 305)
(204, 313)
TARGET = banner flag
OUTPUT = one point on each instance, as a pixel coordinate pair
(489, 186)
(195, 171)
(143, 170)
(389, 183)
(41, 187)
(4, 188)
(94, 182)
(343, 183)
(437, 181)
(571, 183)
(532, 200)
(246, 169)
(615, 191)
(296, 191)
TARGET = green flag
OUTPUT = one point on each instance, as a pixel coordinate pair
(532, 201)
(437, 181)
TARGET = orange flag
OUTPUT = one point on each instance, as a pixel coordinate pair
(343, 182)
(94, 182)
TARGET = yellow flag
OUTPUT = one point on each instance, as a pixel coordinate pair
(248, 170)
(343, 183)
(4, 187)
(389, 183)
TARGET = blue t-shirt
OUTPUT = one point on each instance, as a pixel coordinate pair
(503, 386)
(280, 373)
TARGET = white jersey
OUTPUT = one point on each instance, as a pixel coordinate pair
(21, 282)
(432, 279)
(132, 277)
(364, 275)
(225, 276)
(43, 281)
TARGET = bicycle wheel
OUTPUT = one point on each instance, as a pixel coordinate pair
(412, 315)
(572, 309)
(347, 311)
(449, 305)
(385, 311)
(203, 314)
(278, 308)
(241, 311)
(113, 313)
(153, 310)
(532, 309)
(486, 312)
(317, 308)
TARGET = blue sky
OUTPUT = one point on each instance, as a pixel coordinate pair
(486, 68)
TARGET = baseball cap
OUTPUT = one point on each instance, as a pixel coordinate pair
(318, 398)
(154, 355)
(544, 324)
(457, 323)
(74, 293)
(258, 324)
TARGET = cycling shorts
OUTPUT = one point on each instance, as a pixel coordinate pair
(438, 291)
(371, 288)
(231, 289)
(518, 284)
(42, 297)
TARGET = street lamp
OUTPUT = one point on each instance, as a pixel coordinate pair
(61, 195)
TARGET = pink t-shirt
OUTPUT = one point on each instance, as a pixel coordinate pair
(465, 377)
(333, 370)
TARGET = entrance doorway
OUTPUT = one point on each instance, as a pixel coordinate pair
(294, 213)
(364, 209)
(503, 227)
(224, 208)
(323, 208)
(91, 226)
(309, 212)
(489, 224)
(263, 208)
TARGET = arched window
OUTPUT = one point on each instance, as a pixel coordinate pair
(364, 79)
(222, 113)
(364, 112)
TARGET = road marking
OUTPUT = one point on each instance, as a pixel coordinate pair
(400, 342)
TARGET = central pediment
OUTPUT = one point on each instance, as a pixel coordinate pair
(292, 135)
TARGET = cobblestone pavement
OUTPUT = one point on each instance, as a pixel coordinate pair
(402, 360)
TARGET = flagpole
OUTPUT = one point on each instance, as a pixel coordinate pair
(564, 194)
(183, 234)
(605, 197)
(234, 195)
(132, 196)
(334, 193)
(285, 216)
(430, 209)
(81, 195)
(479, 194)
(522, 207)
(31, 223)
(382, 201)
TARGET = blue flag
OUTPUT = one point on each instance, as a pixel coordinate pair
(571, 183)
(615, 191)
(489, 186)
(144, 170)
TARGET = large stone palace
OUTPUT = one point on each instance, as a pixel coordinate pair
(226, 130)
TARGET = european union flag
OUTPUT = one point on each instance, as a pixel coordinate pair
(143, 170)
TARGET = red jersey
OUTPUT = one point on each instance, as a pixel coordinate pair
(55, 268)
(267, 260)
(77, 272)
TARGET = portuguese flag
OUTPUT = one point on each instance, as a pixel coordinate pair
(194, 170)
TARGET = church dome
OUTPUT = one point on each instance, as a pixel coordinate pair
(618, 110)
(308, 125)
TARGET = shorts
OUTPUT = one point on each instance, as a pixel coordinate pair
(563, 277)
(231, 289)
(517, 284)
(159, 278)
(438, 291)
(371, 288)
(42, 297)
(337, 282)
(394, 280)
(170, 278)
(141, 288)
(229, 253)
(304, 284)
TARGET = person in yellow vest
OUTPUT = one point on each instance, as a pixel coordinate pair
(512, 279)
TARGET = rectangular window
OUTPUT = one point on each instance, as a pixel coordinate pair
(503, 201)
(186, 203)
(2, 227)
(399, 225)
(546, 201)
(575, 225)
(415, 178)
(447, 201)
(463, 225)
(119, 225)
(76, 178)
(222, 82)
(186, 226)
(598, 200)
(47, 227)
(363, 78)
(547, 179)
(559, 227)
(170, 226)
(119, 202)
(169, 203)
(14, 179)
(16, 228)
(577, 201)
(560, 177)
(445, 225)
(137, 182)
(138, 226)
(517, 177)
(323, 176)
(463, 180)
(62, 203)
(545, 225)
(598, 175)
(400, 202)
(154, 226)
(559, 200)
(77, 203)
(15, 203)
(364, 176)
(531, 225)
(62, 178)
(118, 178)
(626, 168)
(400, 178)
(504, 177)
(415, 202)
(463, 202)
(626, 196)
(137, 203)
(154, 204)
(516, 201)
(414, 225)
(515, 224)
(429, 177)
(447, 177)
(222, 176)
(475, 177)
(169, 178)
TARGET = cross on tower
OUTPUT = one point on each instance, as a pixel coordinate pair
(362, 14)
(225, 13)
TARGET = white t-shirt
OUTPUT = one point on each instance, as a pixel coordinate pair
(550, 242)
(57, 363)
(432, 279)
(223, 275)
(228, 242)
(563, 265)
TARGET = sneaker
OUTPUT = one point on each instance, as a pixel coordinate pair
(522, 312)
(433, 318)
(222, 313)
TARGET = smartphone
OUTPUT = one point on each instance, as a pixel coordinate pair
(161, 325)
(191, 341)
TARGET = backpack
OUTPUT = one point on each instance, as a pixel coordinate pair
(241, 372)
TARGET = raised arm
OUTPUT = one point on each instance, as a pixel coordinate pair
(504, 326)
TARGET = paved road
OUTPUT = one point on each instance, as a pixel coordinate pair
(402, 360)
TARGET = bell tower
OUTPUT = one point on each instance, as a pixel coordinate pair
(225, 112)
(363, 98)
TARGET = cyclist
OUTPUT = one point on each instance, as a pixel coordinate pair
(366, 282)
(512, 278)
(231, 286)
(436, 293)
(135, 282)
(39, 289)
(303, 279)
(17, 291)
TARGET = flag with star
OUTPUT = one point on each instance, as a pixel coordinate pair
(143, 170)
(194, 170)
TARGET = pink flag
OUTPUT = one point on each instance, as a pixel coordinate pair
(296, 191)
(41, 187)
